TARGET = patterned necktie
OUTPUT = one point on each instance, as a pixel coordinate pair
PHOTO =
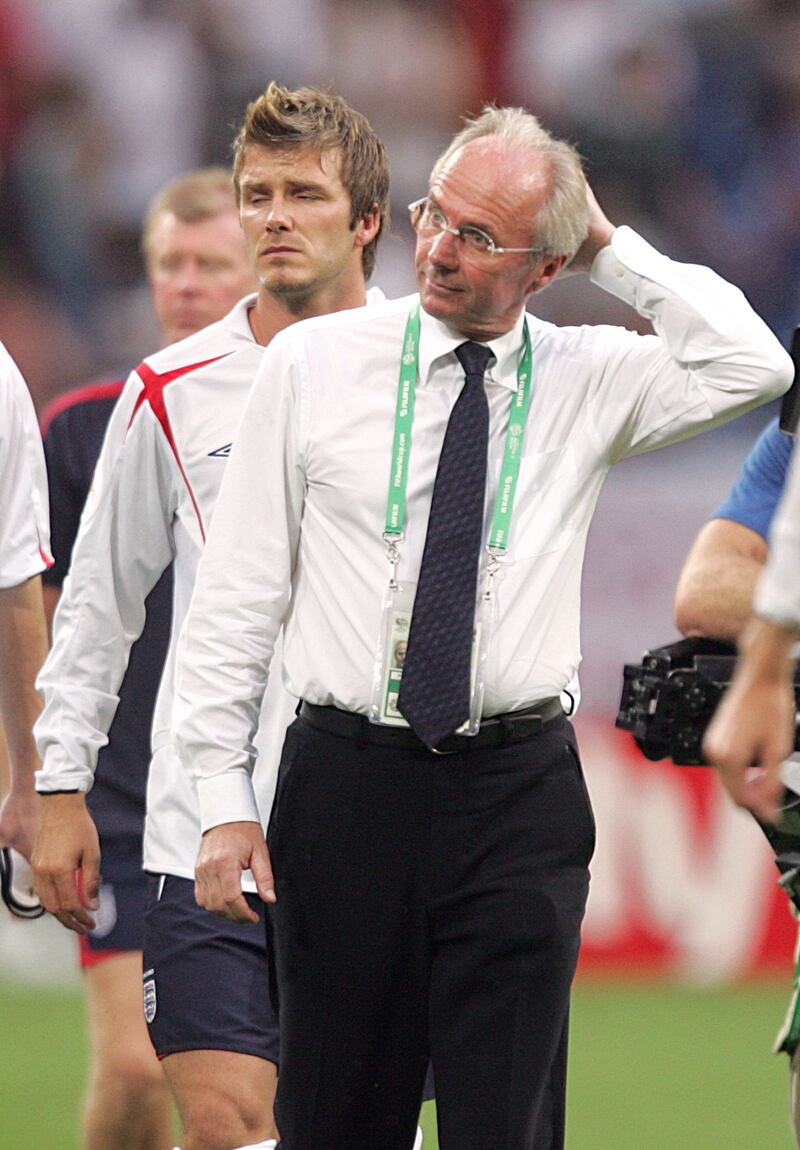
(435, 688)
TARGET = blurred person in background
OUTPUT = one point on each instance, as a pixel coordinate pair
(688, 114)
(23, 72)
(140, 71)
(311, 184)
(714, 599)
(197, 269)
(60, 154)
(24, 554)
(240, 47)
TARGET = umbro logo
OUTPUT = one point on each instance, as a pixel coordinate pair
(221, 452)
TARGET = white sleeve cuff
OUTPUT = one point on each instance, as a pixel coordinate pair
(52, 778)
(227, 798)
(619, 266)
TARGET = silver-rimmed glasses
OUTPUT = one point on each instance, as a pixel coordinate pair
(428, 220)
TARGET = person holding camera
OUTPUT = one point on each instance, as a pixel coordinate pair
(714, 599)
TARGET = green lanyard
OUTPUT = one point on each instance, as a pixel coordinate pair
(403, 420)
(401, 447)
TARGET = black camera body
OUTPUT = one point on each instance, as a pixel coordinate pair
(668, 699)
(667, 702)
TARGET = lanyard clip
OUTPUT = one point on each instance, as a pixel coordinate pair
(393, 555)
(496, 556)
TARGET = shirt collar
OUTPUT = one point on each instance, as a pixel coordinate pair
(239, 316)
(437, 340)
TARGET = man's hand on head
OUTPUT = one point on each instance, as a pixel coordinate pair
(599, 235)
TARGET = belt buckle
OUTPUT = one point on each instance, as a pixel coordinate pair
(467, 741)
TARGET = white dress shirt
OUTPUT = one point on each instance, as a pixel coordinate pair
(297, 537)
(24, 512)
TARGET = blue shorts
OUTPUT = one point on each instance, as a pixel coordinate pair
(206, 981)
(123, 892)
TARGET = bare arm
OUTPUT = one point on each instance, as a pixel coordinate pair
(714, 597)
(22, 651)
(754, 724)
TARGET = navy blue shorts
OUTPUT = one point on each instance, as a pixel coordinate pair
(123, 892)
(206, 981)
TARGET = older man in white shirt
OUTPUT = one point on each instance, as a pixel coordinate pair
(432, 832)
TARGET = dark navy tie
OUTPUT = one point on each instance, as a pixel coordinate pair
(435, 688)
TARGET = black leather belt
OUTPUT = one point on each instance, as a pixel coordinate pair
(497, 731)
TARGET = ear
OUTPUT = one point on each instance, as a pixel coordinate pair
(544, 274)
(368, 226)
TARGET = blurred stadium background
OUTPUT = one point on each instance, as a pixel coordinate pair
(688, 114)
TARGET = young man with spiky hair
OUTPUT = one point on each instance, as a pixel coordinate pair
(311, 183)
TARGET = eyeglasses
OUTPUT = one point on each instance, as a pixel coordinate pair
(428, 220)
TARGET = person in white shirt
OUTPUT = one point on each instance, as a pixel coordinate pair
(460, 877)
(24, 554)
(311, 182)
(754, 728)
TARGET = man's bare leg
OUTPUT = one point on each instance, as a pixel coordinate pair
(128, 1104)
(224, 1099)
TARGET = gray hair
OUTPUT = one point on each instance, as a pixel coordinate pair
(562, 223)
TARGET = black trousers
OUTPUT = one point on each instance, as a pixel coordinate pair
(427, 906)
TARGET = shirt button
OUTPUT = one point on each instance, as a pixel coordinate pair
(619, 270)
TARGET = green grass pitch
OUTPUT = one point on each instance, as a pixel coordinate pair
(652, 1067)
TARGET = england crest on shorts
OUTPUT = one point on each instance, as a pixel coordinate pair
(149, 995)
